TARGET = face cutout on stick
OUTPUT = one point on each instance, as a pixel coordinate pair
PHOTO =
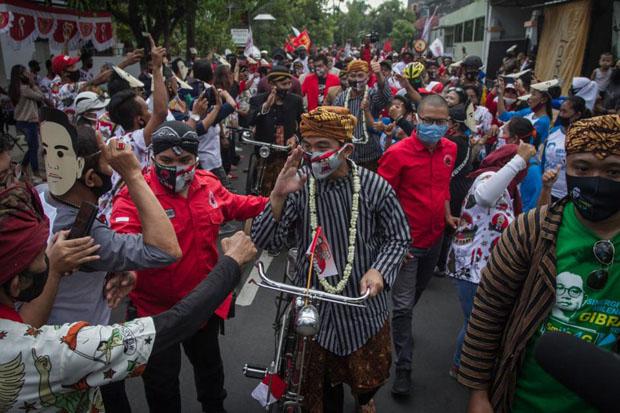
(62, 165)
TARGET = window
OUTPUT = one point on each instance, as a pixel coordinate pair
(448, 36)
(468, 31)
(479, 29)
(458, 33)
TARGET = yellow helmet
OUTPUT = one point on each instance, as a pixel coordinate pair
(413, 70)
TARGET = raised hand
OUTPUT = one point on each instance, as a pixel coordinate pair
(551, 176)
(375, 66)
(526, 151)
(157, 54)
(289, 180)
(120, 157)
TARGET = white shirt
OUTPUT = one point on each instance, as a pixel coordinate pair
(555, 154)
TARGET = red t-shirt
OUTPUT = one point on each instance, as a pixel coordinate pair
(9, 313)
(196, 220)
(421, 180)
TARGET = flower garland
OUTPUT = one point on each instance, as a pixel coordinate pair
(312, 201)
(347, 97)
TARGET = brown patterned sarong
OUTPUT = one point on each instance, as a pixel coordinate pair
(364, 370)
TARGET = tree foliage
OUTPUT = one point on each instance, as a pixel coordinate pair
(206, 24)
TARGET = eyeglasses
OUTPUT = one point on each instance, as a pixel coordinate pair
(429, 121)
(604, 252)
(573, 292)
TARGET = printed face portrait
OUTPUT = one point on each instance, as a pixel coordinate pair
(62, 166)
(569, 292)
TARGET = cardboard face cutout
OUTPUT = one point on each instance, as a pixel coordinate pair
(62, 166)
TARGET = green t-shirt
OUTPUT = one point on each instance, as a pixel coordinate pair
(592, 315)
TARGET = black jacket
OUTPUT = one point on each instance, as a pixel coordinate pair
(288, 114)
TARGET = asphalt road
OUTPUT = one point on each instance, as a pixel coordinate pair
(250, 339)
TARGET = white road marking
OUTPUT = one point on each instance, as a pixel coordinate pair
(248, 292)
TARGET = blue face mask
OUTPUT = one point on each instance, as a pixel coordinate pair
(430, 134)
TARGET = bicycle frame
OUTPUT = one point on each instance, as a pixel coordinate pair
(298, 324)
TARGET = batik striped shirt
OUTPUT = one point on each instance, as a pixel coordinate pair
(379, 100)
(381, 242)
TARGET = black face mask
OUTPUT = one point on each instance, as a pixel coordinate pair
(106, 184)
(353, 84)
(281, 93)
(471, 76)
(595, 198)
(564, 122)
(36, 280)
(74, 76)
(302, 56)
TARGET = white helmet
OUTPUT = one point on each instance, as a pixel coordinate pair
(89, 102)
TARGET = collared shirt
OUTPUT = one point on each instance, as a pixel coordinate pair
(421, 179)
(381, 243)
(379, 100)
(196, 221)
(60, 367)
(80, 296)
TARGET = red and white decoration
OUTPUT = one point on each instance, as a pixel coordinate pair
(270, 390)
(22, 22)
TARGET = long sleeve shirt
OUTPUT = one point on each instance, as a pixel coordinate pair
(27, 109)
(381, 242)
(196, 221)
(379, 100)
(59, 367)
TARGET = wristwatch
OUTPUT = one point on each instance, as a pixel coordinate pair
(195, 117)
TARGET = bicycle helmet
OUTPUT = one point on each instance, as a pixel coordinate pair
(88, 102)
(472, 61)
(413, 70)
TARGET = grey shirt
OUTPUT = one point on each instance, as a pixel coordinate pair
(80, 296)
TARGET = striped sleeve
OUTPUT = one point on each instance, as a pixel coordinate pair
(380, 98)
(499, 287)
(267, 233)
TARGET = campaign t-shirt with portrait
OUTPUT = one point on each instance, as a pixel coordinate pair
(592, 315)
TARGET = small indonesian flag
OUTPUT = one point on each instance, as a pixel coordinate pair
(262, 394)
(324, 265)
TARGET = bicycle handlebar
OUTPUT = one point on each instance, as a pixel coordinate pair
(246, 138)
(310, 293)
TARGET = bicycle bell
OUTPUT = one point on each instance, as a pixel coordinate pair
(307, 323)
(264, 152)
(246, 134)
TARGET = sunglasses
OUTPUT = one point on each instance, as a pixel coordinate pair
(604, 252)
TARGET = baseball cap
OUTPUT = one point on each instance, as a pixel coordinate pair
(61, 62)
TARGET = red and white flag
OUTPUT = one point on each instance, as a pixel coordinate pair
(262, 392)
(324, 265)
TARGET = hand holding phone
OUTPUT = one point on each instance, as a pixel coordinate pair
(83, 221)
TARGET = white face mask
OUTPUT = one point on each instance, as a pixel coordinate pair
(324, 164)
(509, 101)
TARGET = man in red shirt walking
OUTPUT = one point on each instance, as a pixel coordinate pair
(419, 169)
(197, 204)
(316, 85)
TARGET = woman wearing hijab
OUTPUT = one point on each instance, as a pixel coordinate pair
(490, 206)
(586, 89)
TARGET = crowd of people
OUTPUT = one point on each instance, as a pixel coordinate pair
(410, 166)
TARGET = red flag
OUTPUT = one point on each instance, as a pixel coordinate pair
(323, 263)
(387, 46)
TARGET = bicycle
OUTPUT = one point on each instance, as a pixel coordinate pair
(294, 325)
(257, 164)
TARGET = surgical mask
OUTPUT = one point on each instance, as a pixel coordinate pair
(320, 72)
(175, 178)
(74, 76)
(281, 93)
(324, 164)
(595, 198)
(509, 101)
(431, 134)
(36, 280)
